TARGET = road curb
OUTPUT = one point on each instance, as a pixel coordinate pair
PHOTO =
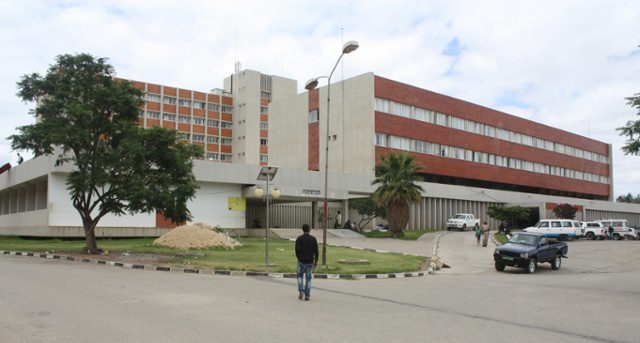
(240, 273)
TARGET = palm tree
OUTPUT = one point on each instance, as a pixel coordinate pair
(396, 176)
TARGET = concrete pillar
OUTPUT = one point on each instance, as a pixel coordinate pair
(314, 214)
(345, 211)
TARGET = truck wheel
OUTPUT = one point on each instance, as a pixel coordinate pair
(464, 227)
(616, 237)
(500, 266)
(531, 266)
(556, 262)
(591, 236)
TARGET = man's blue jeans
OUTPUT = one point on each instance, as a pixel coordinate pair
(305, 268)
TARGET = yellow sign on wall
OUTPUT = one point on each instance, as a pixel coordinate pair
(237, 204)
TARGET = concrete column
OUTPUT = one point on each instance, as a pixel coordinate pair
(345, 211)
(314, 214)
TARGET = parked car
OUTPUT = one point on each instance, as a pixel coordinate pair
(462, 222)
(620, 228)
(563, 229)
(526, 250)
(594, 230)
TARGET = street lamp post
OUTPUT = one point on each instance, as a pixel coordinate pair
(348, 47)
(267, 173)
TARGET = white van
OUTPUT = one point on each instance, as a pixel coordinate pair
(563, 229)
(620, 228)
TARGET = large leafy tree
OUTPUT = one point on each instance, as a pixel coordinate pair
(632, 129)
(565, 211)
(396, 177)
(367, 209)
(88, 118)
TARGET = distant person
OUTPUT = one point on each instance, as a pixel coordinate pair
(485, 232)
(307, 254)
(478, 235)
(256, 223)
(501, 228)
(20, 159)
(347, 225)
(336, 224)
(610, 232)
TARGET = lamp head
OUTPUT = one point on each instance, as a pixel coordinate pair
(350, 46)
(311, 84)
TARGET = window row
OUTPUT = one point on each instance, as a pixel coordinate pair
(422, 147)
(189, 120)
(417, 113)
(214, 156)
(187, 103)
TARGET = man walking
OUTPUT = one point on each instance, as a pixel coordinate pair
(485, 232)
(307, 254)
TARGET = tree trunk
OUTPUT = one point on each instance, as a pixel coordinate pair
(91, 247)
(398, 216)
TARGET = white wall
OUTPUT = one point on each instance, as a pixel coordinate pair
(210, 205)
(289, 132)
(62, 212)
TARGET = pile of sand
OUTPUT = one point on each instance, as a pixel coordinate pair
(196, 236)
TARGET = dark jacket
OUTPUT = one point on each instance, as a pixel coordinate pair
(307, 249)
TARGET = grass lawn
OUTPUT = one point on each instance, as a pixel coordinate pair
(409, 235)
(248, 257)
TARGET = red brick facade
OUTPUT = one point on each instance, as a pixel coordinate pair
(450, 167)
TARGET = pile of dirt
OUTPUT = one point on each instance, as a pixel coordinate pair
(196, 236)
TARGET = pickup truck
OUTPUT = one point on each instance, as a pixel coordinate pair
(526, 250)
(462, 222)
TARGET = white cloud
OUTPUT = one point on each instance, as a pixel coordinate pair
(567, 62)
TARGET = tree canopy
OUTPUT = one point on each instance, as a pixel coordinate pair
(89, 119)
(367, 209)
(629, 198)
(396, 177)
(511, 215)
(565, 211)
(632, 129)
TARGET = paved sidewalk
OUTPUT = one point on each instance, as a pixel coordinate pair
(460, 251)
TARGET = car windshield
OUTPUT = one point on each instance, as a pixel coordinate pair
(459, 216)
(524, 239)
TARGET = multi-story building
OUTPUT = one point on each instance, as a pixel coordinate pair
(204, 119)
(471, 157)
(455, 142)
(252, 92)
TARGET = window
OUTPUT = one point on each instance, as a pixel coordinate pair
(198, 137)
(264, 109)
(213, 107)
(400, 143)
(169, 100)
(184, 136)
(226, 125)
(212, 139)
(265, 95)
(313, 116)
(381, 139)
(184, 119)
(441, 119)
(212, 123)
(402, 110)
(198, 121)
(225, 158)
(456, 123)
(225, 141)
(169, 117)
(212, 155)
(382, 105)
(153, 114)
(263, 141)
(198, 104)
(264, 125)
(184, 102)
(227, 109)
(152, 97)
(264, 158)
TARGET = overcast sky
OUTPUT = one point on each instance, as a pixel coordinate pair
(567, 64)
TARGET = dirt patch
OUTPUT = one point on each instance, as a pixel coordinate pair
(196, 236)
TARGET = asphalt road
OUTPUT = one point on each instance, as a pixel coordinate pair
(594, 297)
